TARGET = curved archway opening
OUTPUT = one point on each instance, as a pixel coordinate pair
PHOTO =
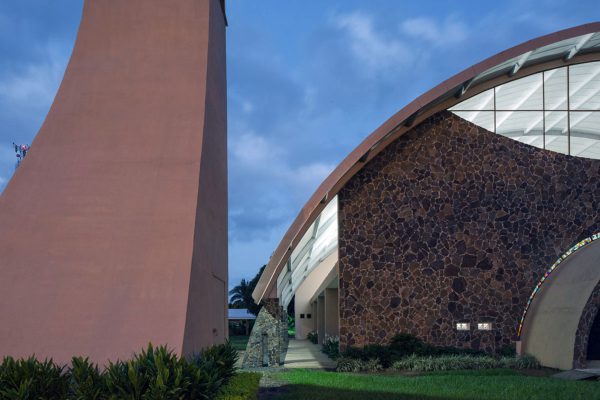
(560, 316)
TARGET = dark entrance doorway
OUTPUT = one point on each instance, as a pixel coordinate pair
(593, 351)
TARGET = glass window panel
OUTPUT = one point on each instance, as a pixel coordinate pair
(523, 126)
(481, 101)
(591, 151)
(484, 119)
(555, 87)
(522, 94)
(556, 131)
(585, 134)
(584, 86)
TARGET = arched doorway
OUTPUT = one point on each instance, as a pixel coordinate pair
(560, 318)
(593, 347)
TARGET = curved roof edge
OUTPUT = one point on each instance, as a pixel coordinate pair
(382, 136)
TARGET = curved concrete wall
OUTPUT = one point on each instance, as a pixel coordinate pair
(551, 324)
(114, 229)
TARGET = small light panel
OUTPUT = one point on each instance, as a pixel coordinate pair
(463, 326)
(484, 326)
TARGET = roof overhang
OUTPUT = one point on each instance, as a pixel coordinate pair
(570, 46)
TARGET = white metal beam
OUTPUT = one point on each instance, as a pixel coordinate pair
(578, 46)
(520, 62)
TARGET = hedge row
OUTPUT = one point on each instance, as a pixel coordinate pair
(403, 345)
(155, 373)
(439, 363)
(456, 362)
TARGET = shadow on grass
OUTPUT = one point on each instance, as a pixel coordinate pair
(313, 392)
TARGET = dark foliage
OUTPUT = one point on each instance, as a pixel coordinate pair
(241, 295)
(32, 379)
(154, 374)
(403, 345)
(85, 381)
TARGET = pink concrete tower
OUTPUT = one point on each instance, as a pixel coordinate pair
(113, 232)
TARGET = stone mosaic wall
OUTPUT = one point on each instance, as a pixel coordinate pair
(269, 337)
(452, 223)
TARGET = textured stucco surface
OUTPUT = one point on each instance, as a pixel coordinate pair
(113, 231)
(452, 223)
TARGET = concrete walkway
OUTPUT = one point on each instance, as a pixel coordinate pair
(304, 354)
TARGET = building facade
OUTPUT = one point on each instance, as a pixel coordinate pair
(469, 218)
(113, 231)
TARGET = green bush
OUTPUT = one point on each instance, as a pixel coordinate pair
(85, 381)
(155, 373)
(224, 356)
(445, 363)
(372, 365)
(508, 350)
(370, 352)
(405, 344)
(456, 362)
(347, 364)
(32, 379)
(313, 336)
(331, 347)
(242, 386)
(152, 374)
(525, 361)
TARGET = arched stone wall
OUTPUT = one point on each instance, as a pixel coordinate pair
(554, 320)
(452, 223)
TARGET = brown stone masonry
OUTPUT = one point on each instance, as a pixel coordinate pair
(453, 223)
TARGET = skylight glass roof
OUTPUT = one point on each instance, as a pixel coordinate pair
(557, 110)
(319, 241)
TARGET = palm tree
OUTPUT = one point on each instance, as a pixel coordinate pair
(241, 295)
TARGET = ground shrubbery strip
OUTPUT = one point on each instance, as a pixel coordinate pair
(438, 363)
(155, 373)
(242, 386)
(407, 352)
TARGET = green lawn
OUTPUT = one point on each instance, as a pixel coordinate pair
(239, 342)
(471, 385)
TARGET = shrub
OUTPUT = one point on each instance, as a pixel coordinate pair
(347, 364)
(525, 361)
(508, 350)
(155, 373)
(32, 379)
(224, 356)
(313, 336)
(372, 365)
(152, 374)
(405, 344)
(445, 363)
(242, 386)
(331, 347)
(85, 381)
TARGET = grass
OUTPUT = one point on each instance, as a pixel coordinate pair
(500, 384)
(242, 386)
(239, 342)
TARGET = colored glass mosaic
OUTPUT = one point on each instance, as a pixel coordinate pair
(547, 274)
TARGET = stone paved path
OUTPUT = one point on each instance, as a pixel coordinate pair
(304, 354)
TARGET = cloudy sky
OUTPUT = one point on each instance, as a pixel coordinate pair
(308, 80)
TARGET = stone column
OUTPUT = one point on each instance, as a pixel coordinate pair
(268, 340)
